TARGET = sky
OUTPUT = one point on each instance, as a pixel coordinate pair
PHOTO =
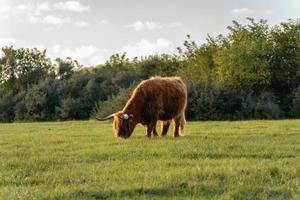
(90, 31)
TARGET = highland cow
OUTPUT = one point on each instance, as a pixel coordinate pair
(156, 99)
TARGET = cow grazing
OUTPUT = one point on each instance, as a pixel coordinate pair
(155, 99)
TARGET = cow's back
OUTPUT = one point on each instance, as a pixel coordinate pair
(165, 98)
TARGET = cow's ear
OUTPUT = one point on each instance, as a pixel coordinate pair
(125, 116)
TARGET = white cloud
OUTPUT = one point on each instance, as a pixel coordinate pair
(32, 8)
(150, 25)
(241, 11)
(145, 48)
(74, 6)
(43, 6)
(34, 19)
(81, 24)
(175, 24)
(56, 20)
(103, 22)
(50, 20)
(53, 21)
(25, 9)
(5, 8)
(7, 42)
(269, 12)
(147, 25)
(39, 8)
(86, 55)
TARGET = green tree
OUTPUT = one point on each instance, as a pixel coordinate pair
(243, 57)
(285, 57)
(66, 68)
(39, 102)
(7, 106)
(198, 61)
(21, 68)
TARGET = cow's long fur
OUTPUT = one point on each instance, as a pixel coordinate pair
(157, 98)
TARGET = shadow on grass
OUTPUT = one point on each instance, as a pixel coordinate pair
(181, 193)
(196, 156)
(161, 193)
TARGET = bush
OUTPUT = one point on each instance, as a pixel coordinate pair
(263, 106)
(228, 104)
(113, 104)
(20, 108)
(212, 102)
(7, 105)
(73, 109)
(39, 102)
(267, 107)
(295, 103)
(248, 106)
(67, 109)
(201, 99)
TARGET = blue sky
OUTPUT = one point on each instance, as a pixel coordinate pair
(91, 31)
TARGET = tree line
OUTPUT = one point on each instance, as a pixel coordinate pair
(253, 72)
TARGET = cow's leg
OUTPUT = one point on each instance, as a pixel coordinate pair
(154, 131)
(182, 123)
(176, 128)
(177, 122)
(165, 127)
(151, 128)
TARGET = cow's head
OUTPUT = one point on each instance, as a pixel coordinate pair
(123, 124)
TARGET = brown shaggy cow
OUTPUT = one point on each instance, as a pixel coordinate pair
(157, 98)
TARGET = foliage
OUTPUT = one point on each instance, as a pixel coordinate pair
(252, 72)
(39, 102)
(7, 105)
(285, 57)
(212, 102)
(198, 61)
(65, 68)
(295, 103)
(113, 104)
(266, 107)
(263, 106)
(22, 68)
(242, 57)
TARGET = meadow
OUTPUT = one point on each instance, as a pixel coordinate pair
(214, 160)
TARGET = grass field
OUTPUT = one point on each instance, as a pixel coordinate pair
(214, 160)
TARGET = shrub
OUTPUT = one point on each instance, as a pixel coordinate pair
(113, 104)
(67, 110)
(263, 106)
(201, 100)
(248, 105)
(295, 103)
(267, 107)
(7, 105)
(212, 102)
(73, 109)
(38, 103)
(20, 108)
(228, 104)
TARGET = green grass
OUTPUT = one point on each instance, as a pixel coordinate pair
(214, 160)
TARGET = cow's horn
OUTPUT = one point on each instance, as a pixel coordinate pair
(106, 118)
